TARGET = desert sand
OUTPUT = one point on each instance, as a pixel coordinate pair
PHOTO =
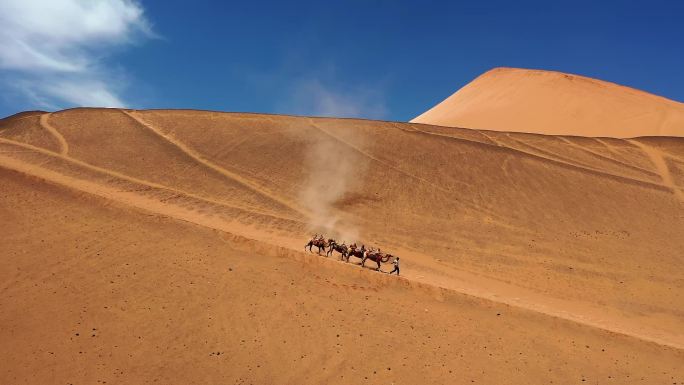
(555, 103)
(166, 247)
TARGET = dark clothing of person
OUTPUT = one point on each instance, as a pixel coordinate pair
(396, 267)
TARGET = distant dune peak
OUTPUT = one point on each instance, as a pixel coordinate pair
(556, 103)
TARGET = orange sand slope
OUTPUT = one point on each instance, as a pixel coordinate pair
(143, 246)
(547, 102)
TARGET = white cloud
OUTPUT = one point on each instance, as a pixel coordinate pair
(54, 47)
(84, 92)
(313, 97)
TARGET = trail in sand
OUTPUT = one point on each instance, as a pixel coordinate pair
(658, 160)
(45, 123)
(200, 159)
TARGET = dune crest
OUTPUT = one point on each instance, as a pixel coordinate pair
(556, 103)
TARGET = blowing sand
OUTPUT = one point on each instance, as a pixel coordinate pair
(555, 103)
(166, 246)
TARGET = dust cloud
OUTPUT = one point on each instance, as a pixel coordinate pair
(335, 170)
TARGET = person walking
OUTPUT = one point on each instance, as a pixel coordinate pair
(396, 266)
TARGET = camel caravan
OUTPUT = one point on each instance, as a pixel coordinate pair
(330, 246)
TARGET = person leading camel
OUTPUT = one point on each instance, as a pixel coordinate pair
(396, 266)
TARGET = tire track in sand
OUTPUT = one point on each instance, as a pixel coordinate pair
(199, 158)
(148, 184)
(155, 207)
(112, 194)
(538, 155)
(605, 158)
(661, 167)
(44, 122)
(537, 151)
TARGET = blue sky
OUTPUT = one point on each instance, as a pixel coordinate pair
(375, 59)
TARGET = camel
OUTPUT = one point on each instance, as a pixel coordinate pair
(376, 257)
(348, 251)
(353, 252)
(340, 248)
(318, 242)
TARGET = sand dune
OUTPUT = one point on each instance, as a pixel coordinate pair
(143, 246)
(547, 102)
